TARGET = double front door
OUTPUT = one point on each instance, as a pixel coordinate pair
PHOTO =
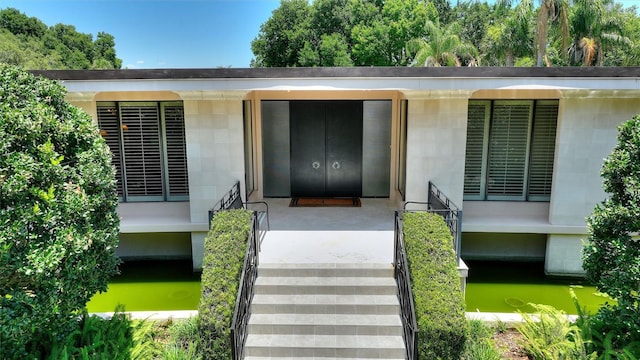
(326, 148)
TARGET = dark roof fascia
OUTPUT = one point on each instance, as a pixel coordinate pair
(345, 72)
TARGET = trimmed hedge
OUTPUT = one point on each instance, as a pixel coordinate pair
(224, 250)
(435, 283)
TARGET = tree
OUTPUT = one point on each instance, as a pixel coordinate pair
(283, 35)
(551, 12)
(20, 24)
(594, 24)
(369, 32)
(105, 53)
(441, 47)
(474, 19)
(611, 256)
(511, 37)
(34, 46)
(58, 219)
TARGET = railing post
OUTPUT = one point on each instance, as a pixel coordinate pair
(459, 237)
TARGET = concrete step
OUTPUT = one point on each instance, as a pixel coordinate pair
(333, 346)
(293, 285)
(346, 311)
(326, 270)
(325, 304)
(323, 324)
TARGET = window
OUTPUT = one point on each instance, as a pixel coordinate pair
(510, 150)
(147, 140)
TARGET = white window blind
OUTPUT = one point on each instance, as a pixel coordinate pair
(176, 154)
(543, 144)
(510, 150)
(475, 154)
(147, 140)
(109, 125)
(141, 144)
(509, 140)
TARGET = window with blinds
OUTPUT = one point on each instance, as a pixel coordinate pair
(147, 140)
(510, 150)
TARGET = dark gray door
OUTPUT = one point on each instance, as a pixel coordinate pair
(326, 148)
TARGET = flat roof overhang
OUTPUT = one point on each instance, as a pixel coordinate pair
(405, 79)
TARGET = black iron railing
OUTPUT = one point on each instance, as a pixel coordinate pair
(439, 203)
(242, 311)
(233, 200)
(405, 295)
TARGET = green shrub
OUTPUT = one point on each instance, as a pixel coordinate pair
(117, 337)
(184, 340)
(479, 344)
(184, 333)
(611, 257)
(58, 220)
(224, 250)
(435, 283)
(549, 335)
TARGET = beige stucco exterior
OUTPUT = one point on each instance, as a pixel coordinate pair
(589, 111)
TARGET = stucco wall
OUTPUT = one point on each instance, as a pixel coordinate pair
(154, 245)
(436, 138)
(215, 151)
(586, 135)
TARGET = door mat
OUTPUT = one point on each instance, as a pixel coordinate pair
(325, 202)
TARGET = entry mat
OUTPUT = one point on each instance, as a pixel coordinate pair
(324, 202)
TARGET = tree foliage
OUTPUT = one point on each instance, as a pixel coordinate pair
(612, 254)
(27, 42)
(58, 220)
(502, 32)
(339, 33)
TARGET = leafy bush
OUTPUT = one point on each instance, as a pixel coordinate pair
(58, 220)
(184, 340)
(436, 286)
(117, 337)
(549, 335)
(612, 254)
(479, 344)
(224, 251)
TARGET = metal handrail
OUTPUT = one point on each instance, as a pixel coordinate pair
(437, 202)
(233, 200)
(242, 309)
(405, 295)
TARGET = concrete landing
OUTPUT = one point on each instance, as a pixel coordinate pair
(327, 247)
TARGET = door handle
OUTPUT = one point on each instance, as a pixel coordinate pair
(335, 165)
(315, 165)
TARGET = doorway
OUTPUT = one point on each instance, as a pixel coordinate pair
(326, 148)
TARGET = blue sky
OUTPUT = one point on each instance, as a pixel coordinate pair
(163, 33)
(167, 33)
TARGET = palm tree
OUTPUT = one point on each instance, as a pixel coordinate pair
(594, 26)
(441, 47)
(551, 12)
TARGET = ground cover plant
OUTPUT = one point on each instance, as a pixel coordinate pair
(479, 344)
(225, 248)
(438, 299)
(58, 220)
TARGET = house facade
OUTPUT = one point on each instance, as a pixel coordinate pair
(519, 149)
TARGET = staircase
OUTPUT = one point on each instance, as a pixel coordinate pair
(334, 310)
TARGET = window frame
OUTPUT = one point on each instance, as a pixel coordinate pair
(488, 144)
